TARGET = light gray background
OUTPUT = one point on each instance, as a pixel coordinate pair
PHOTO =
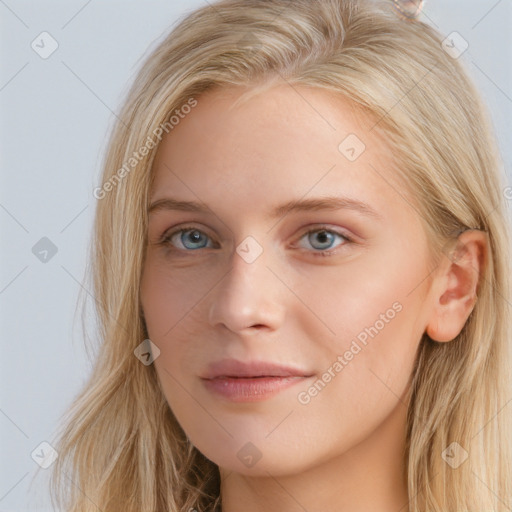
(55, 114)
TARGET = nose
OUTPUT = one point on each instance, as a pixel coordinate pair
(249, 297)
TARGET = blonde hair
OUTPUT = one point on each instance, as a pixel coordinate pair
(121, 447)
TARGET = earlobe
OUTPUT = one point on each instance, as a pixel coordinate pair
(456, 287)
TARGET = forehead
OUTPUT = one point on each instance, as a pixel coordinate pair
(240, 147)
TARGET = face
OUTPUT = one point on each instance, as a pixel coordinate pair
(282, 328)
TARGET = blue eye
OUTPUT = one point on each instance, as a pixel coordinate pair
(187, 235)
(322, 238)
(189, 238)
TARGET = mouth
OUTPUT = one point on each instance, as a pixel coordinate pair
(232, 368)
(250, 389)
(237, 381)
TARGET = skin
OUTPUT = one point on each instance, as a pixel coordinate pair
(342, 451)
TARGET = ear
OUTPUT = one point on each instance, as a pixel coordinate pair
(456, 284)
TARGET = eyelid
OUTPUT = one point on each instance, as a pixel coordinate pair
(349, 239)
(326, 227)
(169, 233)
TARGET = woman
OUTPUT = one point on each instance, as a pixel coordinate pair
(301, 270)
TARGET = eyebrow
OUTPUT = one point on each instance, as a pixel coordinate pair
(314, 204)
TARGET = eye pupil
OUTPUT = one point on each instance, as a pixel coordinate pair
(191, 236)
(321, 237)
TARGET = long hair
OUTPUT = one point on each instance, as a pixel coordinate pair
(120, 447)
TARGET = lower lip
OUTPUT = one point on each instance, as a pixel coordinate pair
(252, 389)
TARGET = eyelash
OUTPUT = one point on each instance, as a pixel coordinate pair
(166, 239)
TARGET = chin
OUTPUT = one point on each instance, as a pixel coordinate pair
(256, 459)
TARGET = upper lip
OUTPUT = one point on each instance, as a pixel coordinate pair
(235, 368)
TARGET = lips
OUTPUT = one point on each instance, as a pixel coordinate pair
(253, 381)
(232, 368)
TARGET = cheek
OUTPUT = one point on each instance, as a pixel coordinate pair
(168, 297)
(174, 315)
(374, 311)
(367, 373)
(167, 305)
(374, 293)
